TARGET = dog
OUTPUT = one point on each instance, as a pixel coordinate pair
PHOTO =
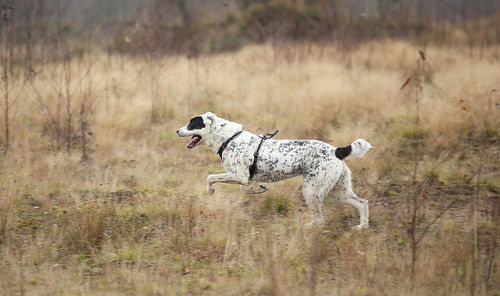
(250, 160)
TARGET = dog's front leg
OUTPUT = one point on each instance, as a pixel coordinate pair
(229, 178)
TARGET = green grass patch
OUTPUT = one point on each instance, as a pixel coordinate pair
(277, 205)
(415, 133)
(491, 132)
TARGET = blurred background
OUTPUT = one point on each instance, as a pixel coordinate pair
(98, 196)
(194, 27)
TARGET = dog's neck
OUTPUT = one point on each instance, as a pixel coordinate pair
(221, 131)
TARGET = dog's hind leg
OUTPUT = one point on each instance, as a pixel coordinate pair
(253, 188)
(342, 192)
(362, 206)
(313, 196)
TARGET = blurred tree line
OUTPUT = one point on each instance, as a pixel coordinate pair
(195, 27)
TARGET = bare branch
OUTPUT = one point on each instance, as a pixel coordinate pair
(41, 102)
(437, 217)
(19, 93)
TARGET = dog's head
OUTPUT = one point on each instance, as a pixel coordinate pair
(208, 129)
(198, 129)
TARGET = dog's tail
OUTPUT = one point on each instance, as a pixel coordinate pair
(358, 148)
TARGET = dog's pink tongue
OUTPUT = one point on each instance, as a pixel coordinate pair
(192, 142)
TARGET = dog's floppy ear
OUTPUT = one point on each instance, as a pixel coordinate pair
(211, 117)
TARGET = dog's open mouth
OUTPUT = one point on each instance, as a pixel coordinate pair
(194, 141)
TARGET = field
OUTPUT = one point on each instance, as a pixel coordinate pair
(100, 197)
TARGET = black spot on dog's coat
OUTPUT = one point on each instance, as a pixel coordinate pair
(343, 152)
(196, 123)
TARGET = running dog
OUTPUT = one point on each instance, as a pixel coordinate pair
(250, 159)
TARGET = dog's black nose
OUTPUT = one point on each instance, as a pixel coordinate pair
(177, 131)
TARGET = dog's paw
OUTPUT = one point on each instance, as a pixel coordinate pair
(310, 224)
(254, 189)
(261, 189)
(313, 223)
(359, 227)
(211, 189)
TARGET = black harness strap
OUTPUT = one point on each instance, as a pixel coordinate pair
(253, 167)
(224, 145)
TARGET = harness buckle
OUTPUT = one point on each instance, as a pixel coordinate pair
(269, 135)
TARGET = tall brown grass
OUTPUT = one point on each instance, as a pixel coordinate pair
(135, 218)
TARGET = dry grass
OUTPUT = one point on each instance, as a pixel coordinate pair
(136, 220)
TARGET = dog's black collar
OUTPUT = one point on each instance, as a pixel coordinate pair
(224, 145)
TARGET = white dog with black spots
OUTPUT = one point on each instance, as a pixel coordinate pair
(321, 165)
